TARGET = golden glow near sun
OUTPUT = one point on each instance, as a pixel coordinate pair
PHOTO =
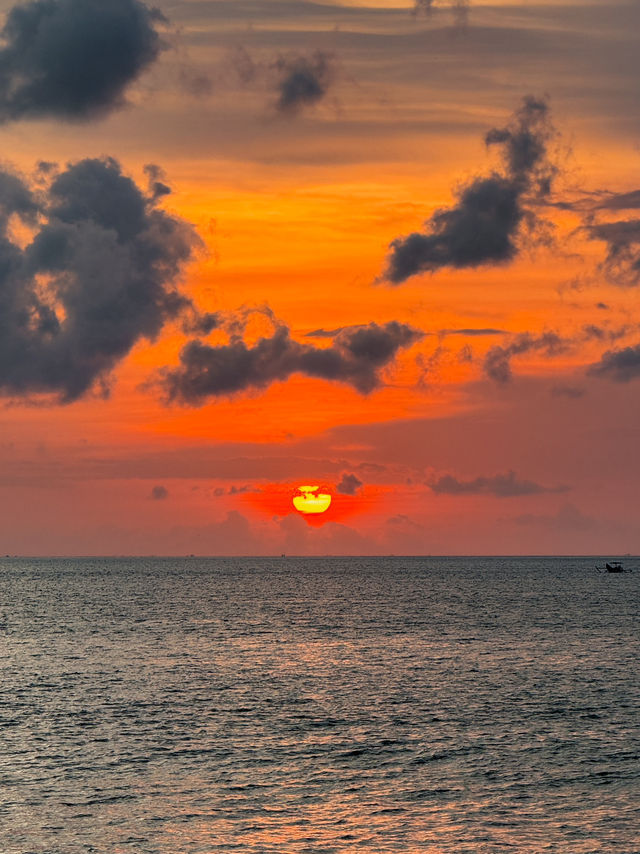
(310, 500)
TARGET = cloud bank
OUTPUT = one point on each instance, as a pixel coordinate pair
(98, 273)
(74, 59)
(355, 357)
(484, 225)
(500, 485)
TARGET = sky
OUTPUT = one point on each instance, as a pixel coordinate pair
(387, 249)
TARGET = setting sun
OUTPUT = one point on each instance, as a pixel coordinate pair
(309, 500)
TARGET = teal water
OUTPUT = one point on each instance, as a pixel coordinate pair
(319, 705)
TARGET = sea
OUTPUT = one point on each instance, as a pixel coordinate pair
(314, 705)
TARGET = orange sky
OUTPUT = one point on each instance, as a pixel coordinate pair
(295, 210)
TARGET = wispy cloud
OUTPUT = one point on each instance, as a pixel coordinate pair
(497, 361)
(296, 80)
(500, 485)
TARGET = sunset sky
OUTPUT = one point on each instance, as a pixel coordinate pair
(387, 249)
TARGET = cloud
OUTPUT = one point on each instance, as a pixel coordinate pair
(356, 357)
(472, 332)
(501, 485)
(491, 212)
(622, 237)
(298, 80)
(497, 362)
(324, 333)
(74, 59)
(159, 493)
(619, 365)
(622, 201)
(593, 332)
(302, 81)
(349, 484)
(99, 273)
(238, 490)
(219, 491)
(622, 262)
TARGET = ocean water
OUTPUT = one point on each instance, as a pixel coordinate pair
(319, 705)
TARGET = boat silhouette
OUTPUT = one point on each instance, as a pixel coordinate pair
(613, 566)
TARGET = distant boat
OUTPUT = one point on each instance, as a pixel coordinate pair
(614, 566)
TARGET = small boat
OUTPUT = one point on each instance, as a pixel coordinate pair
(614, 566)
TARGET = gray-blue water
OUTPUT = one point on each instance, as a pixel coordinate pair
(319, 705)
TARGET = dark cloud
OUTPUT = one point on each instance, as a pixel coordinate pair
(619, 365)
(232, 490)
(201, 323)
(159, 493)
(238, 490)
(349, 484)
(472, 332)
(491, 212)
(99, 274)
(592, 332)
(74, 59)
(302, 81)
(622, 262)
(324, 333)
(299, 80)
(156, 181)
(622, 237)
(622, 201)
(356, 356)
(501, 485)
(497, 362)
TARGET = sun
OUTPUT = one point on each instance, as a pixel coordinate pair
(309, 500)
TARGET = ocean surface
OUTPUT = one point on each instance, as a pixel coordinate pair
(319, 705)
